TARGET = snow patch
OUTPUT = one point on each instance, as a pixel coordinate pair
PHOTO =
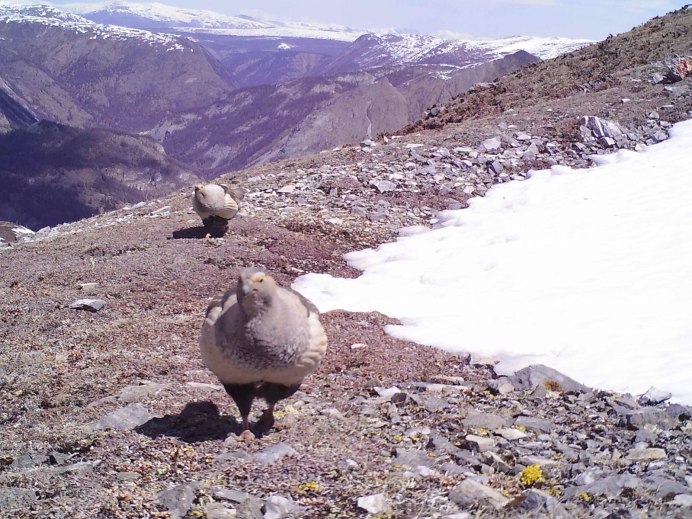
(587, 271)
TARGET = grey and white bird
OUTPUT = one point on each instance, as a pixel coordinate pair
(261, 340)
(216, 204)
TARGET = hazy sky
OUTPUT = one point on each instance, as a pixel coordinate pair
(593, 19)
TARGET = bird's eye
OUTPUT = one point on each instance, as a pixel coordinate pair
(261, 280)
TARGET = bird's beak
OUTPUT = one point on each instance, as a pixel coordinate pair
(247, 288)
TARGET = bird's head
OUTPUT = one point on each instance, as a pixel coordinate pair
(255, 289)
(199, 187)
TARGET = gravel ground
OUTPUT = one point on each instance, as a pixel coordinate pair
(112, 414)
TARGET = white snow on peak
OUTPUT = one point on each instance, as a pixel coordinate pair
(197, 20)
(544, 48)
(172, 16)
(586, 271)
(412, 48)
(51, 16)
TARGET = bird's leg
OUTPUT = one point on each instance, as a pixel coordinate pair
(272, 393)
(242, 395)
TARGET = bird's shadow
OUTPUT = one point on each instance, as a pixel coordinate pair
(197, 422)
(190, 233)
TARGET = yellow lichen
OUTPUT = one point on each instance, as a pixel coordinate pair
(583, 496)
(481, 431)
(308, 487)
(531, 475)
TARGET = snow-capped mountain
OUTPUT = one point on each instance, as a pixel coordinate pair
(387, 50)
(542, 47)
(160, 16)
(402, 48)
(51, 16)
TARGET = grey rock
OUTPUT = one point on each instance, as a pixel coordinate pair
(274, 453)
(664, 487)
(500, 386)
(646, 454)
(384, 186)
(204, 386)
(480, 420)
(638, 418)
(277, 507)
(178, 500)
(162, 211)
(534, 424)
(479, 443)
(538, 374)
(58, 458)
(491, 144)
(374, 504)
(26, 461)
(387, 393)
(441, 444)
(612, 486)
(230, 494)
(496, 462)
(470, 493)
(15, 498)
(251, 508)
(496, 167)
(128, 417)
(139, 392)
(538, 460)
(657, 78)
(535, 502)
(654, 396)
(233, 455)
(588, 476)
(453, 468)
(88, 288)
(679, 412)
(413, 458)
(219, 511)
(603, 128)
(683, 500)
(128, 476)
(660, 136)
(510, 434)
(91, 305)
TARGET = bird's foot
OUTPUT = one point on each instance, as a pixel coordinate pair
(265, 422)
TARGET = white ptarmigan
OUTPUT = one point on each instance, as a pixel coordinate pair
(261, 340)
(216, 204)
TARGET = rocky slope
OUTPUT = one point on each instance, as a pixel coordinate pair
(111, 412)
(67, 69)
(597, 69)
(254, 125)
(53, 173)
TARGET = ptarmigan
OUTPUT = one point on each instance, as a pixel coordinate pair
(216, 204)
(261, 340)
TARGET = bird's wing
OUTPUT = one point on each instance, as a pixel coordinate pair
(310, 307)
(237, 192)
(218, 304)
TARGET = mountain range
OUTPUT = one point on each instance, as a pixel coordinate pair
(221, 93)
